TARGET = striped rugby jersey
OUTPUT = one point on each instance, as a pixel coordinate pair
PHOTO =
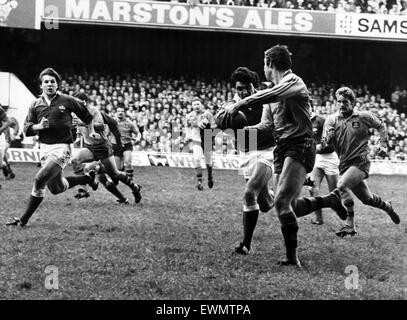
(291, 115)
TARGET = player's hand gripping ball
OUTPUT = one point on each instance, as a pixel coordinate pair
(239, 120)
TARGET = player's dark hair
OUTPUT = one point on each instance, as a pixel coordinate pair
(278, 56)
(50, 72)
(347, 93)
(245, 75)
(81, 96)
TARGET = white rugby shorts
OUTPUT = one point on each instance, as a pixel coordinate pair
(328, 163)
(60, 153)
(251, 158)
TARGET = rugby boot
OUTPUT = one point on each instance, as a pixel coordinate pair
(392, 214)
(137, 193)
(338, 206)
(242, 249)
(92, 180)
(346, 231)
(82, 193)
(286, 262)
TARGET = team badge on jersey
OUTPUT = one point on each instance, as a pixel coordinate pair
(355, 124)
(62, 108)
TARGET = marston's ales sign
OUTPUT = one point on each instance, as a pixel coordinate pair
(154, 14)
(181, 15)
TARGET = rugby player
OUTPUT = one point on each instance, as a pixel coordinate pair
(124, 156)
(348, 131)
(4, 125)
(101, 150)
(257, 166)
(102, 173)
(50, 117)
(294, 154)
(198, 121)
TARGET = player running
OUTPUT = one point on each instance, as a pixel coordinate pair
(113, 133)
(257, 166)
(101, 150)
(50, 117)
(199, 121)
(294, 154)
(326, 165)
(348, 131)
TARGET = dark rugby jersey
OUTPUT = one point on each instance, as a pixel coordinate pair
(59, 116)
(265, 137)
(113, 128)
(291, 115)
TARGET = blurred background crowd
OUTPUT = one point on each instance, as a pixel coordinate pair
(159, 105)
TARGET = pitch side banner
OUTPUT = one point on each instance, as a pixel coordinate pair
(371, 26)
(20, 14)
(139, 159)
(185, 16)
(186, 160)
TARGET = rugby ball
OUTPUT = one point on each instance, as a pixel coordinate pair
(239, 120)
(98, 126)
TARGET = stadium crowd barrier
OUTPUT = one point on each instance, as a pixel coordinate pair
(186, 160)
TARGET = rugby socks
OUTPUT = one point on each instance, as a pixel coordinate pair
(126, 180)
(377, 202)
(198, 171)
(209, 169)
(113, 190)
(5, 169)
(289, 229)
(129, 173)
(33, 203)
(250, 216)
(349, 204)
(304, 206)
(77, 180)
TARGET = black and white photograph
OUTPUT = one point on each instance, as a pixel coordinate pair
(204, 156)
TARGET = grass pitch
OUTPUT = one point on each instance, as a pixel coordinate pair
(177, 244)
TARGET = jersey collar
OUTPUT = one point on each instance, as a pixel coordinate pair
(47, 101)
(355, 113)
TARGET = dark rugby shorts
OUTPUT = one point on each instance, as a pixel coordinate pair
(302, 150)
(117, 150)
(128, 147)
(361, 162)
(100, 151)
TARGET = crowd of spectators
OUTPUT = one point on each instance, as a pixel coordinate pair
(394, 7)
(159, 105)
